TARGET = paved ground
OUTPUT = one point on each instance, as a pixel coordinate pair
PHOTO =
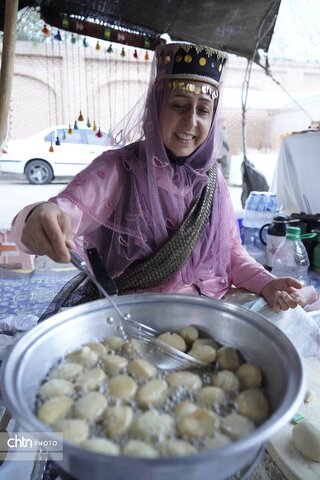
(16, 192)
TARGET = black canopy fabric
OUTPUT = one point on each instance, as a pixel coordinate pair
(236, 26)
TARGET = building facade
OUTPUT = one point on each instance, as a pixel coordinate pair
(53, 82)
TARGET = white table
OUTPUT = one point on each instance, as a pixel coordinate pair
(296, 178)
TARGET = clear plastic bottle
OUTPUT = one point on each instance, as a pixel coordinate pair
(291, 258)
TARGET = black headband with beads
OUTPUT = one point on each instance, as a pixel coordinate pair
(187, 61)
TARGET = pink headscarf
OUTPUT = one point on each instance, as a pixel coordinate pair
(138, 197)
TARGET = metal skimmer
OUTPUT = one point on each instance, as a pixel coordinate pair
(157, 352)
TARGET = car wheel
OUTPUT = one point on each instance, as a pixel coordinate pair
(39, 172)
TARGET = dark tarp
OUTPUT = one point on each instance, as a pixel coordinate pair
(236, 26)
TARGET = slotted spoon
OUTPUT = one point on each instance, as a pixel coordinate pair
(157, 352)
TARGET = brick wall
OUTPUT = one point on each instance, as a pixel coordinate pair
(53, 82)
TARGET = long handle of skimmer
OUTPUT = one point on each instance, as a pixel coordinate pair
(82, 266)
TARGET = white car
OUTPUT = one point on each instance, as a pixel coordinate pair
(41, 164)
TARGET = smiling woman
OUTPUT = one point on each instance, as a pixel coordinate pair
(158, 209)
(186, 117)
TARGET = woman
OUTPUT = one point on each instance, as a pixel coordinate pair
(158, 210)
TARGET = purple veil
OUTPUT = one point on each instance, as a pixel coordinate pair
(136, 198)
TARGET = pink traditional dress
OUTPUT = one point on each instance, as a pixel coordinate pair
(132, 200)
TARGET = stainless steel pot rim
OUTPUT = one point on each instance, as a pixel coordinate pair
(22, 411)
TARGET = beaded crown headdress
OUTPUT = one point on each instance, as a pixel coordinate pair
(187, 61)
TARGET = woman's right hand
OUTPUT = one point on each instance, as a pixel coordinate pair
(47, 231)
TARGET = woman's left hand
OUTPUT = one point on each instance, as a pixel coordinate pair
(283, 293)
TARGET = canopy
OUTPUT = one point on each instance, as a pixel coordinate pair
(235, 26)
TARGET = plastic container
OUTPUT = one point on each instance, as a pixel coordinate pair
(260, 209)
(291, 258)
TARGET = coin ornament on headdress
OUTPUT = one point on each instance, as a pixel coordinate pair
(191, 87)
(186, 61)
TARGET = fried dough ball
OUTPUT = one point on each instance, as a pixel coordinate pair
(204, 353)
(218, 441)
(67, 371)
(101, 445)
(90, 379)
(113, 343)
(74, 430)
(226, 380)
(152, 426)
(142, 369)
(85, 356)
(137, 448)
(249, 375)
(252, 403)
(54, 409)
(190, 381)
(91, 406)
(114, 364)
(173, 340)
(228, 358)
(122, 387)
(206, 341)
(133, 348)
(237, 426)
(152, 393)
(55, 388)
(189, 334)
(117, 420)
(97, 347)
(210, 396)
(176, 448)
(183, 408)
(198, 424)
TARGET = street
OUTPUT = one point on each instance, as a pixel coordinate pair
(16, 192)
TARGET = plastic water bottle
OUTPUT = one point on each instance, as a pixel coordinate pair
(291, 258)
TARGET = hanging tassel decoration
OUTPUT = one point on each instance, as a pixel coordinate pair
(123, 53)
(70, 130)
(99, 133)
(57, 141)
(58, 36)
(75, 126)
(64, 135)
(85, 42)
(73, 39)
(45, 30)
(135, 55)
(94, 127)
(146, 56)
(51, 149)
(98, 45)
(80, 118)
(88, 123)
(110, 49)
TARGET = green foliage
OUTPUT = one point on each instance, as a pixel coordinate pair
(29, 25)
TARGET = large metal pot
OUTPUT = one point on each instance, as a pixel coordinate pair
(259, 341)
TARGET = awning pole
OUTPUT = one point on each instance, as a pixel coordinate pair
(7, 63)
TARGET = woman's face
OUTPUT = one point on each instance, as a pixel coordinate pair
(185, 120)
